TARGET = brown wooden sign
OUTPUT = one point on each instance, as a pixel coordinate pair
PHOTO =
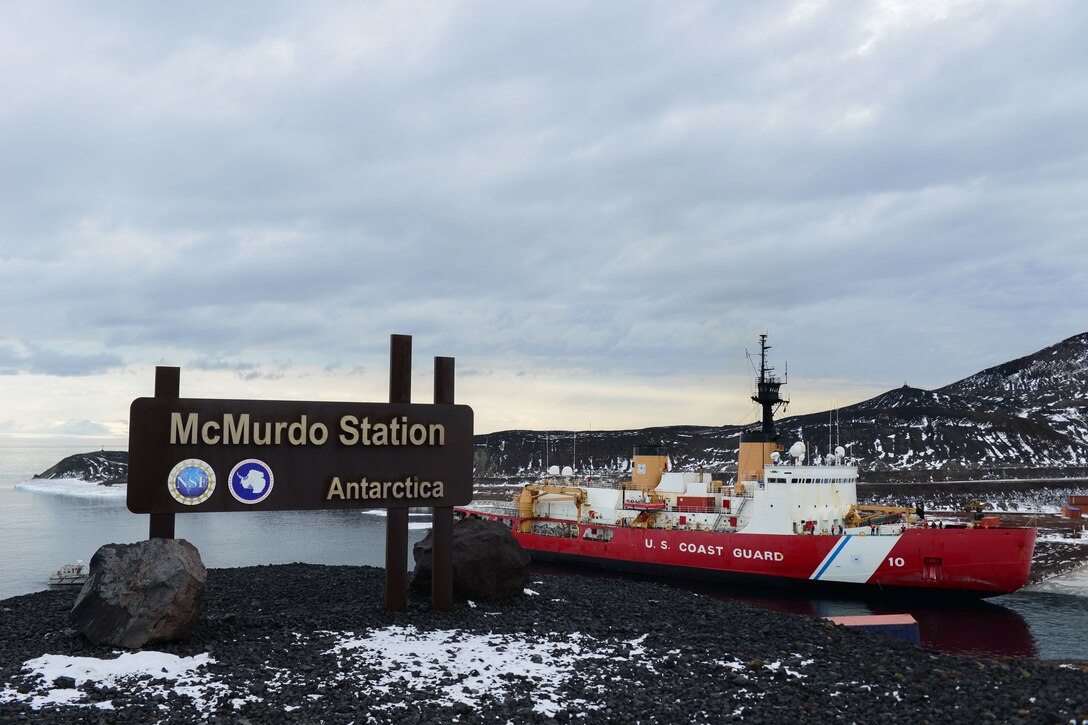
(192, 454)
(244, 455)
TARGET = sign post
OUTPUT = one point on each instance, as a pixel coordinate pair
(396, 520)
(442, 516)
(193, 454)
(167, 385)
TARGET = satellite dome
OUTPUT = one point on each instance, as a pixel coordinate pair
(553, 470)
(797, 451)
(775, 456)
(840, 453)
(567, 471)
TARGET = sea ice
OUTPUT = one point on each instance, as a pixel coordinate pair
(73, 487)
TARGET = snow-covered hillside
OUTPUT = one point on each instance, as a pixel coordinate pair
(1027, 415)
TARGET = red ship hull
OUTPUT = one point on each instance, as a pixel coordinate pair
(977, 562)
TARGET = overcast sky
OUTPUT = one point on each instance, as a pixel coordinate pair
(594, 207)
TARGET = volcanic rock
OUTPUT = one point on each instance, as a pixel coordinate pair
(488, 562)
(141, 594)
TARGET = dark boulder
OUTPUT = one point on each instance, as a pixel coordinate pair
(488, 562)
(140, 594)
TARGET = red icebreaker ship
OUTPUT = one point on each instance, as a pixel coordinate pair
(783, 522)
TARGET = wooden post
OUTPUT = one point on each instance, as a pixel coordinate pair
(396, 520)
(167, 385)
(442, 516)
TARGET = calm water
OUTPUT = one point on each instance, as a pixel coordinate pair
(39, 531)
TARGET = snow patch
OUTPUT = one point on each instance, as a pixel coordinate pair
(74, 487)
(151, 672)
(443, 666)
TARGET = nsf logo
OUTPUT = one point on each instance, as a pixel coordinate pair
(191, 482)
(251, 481)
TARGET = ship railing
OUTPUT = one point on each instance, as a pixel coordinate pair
(694, 509)
(726, 515)
(748, 493)
(494, 507)
(722, 522)
(508, 509)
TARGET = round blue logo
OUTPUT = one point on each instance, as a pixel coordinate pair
(251, 481)
(191, 482)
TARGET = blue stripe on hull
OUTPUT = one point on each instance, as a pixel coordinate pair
(834, 553)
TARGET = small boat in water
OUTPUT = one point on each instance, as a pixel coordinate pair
(69, 575)
(782, 522)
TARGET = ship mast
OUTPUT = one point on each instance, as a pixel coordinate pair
(767, 390)
(759, 442)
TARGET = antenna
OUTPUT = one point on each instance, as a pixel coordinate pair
(829, 424)
(574, 455)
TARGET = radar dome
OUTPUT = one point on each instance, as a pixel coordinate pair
(553, 470)
(840, 453)
(775, 456)
(797, 451)
(567, 471)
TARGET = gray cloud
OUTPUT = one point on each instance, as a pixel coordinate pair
(590, 186)
(80, 428)
(20, 358)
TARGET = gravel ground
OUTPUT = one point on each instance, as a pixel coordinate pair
(595, 650)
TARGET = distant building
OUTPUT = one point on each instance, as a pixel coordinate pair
(1074, 507)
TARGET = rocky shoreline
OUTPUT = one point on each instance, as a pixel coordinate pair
(571, 648)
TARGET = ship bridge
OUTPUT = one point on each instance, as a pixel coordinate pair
(790, 495)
